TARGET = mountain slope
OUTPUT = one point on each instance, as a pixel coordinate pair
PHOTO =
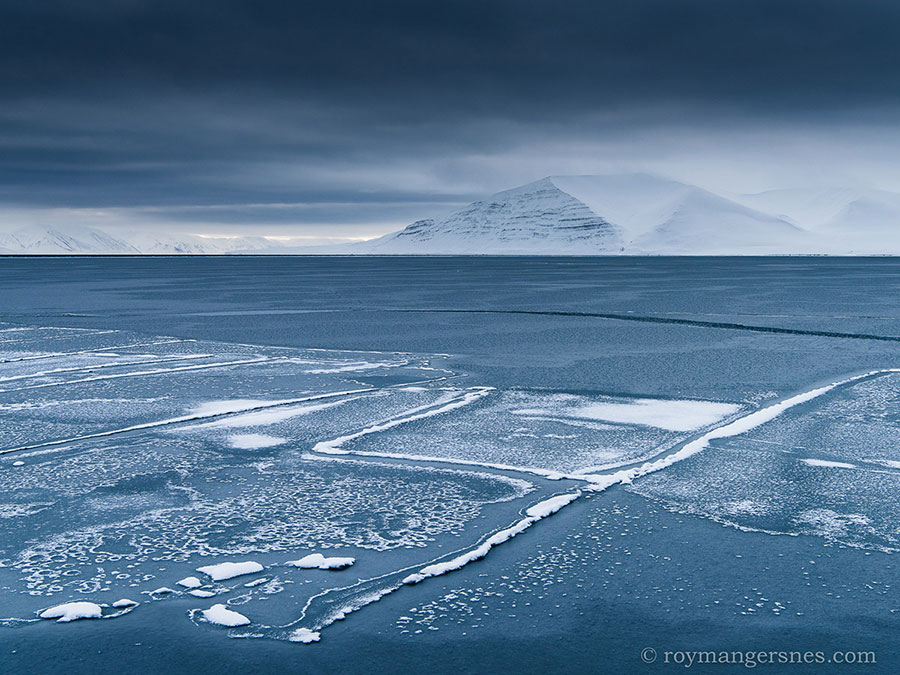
(79, 240)
(533, 219)
(843, 220)
(591, 215)
(69, 239)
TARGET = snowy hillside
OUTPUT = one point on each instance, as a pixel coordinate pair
(634, 214)
(842, 220)
(585, 215)
(75, 239)
(537, 218)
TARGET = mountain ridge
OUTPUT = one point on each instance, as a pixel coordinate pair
(611, 214)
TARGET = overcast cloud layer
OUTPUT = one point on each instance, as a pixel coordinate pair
(351, 118)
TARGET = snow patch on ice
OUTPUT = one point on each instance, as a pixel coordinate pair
(268, 417)
(222, 616)
(304, 635)
(72, 611)
(737, 427)
(318, 561)
(125, 602)
(190, 582)
(229, 570)
(677, 415)
(200, 593)
(254, 441)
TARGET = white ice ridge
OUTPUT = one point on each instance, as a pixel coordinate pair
(422, 412)
(52, 355)
(357, 366)
(229, 570)
(148, 358)
(155, 371)
(532, 515)
(222, 616)
(319, 561)
(71, 611)
(266, 417)
(828, 463)
(185, 418)
(737, 427)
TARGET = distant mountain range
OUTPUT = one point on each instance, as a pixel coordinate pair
(79, 240)
(635, 214)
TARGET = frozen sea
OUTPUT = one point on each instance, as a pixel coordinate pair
(447, 465)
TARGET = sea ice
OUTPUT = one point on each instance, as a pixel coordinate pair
(200, 593)
(254, 441)
(532, 515)
(229, 570)
(190, 582)
(825, 462)
(124, 602)
(304, 635)
(660, 413)
(71, 611)
(222, 616)
(318, 561)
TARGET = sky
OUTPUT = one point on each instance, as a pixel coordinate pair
(351, 118)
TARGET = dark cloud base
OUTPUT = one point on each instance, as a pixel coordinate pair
(152, 103)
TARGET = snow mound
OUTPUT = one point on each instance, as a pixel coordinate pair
(72, 611)
(318, 561)
(222, 616)
(229, 570)
(124, 602)
(199, 593)
(304, 635)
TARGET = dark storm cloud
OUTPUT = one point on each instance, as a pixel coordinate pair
(133, 102)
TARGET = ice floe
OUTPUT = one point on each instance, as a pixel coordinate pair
(304, 635)
(72, 611)
(200, 593)
(318, 561)
(123, 603)
(229, 570)
(190, 582)
(222, 616)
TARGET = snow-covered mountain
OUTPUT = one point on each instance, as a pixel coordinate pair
(591, 215)
(842, 220)
(634, 214)
(76, 239)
